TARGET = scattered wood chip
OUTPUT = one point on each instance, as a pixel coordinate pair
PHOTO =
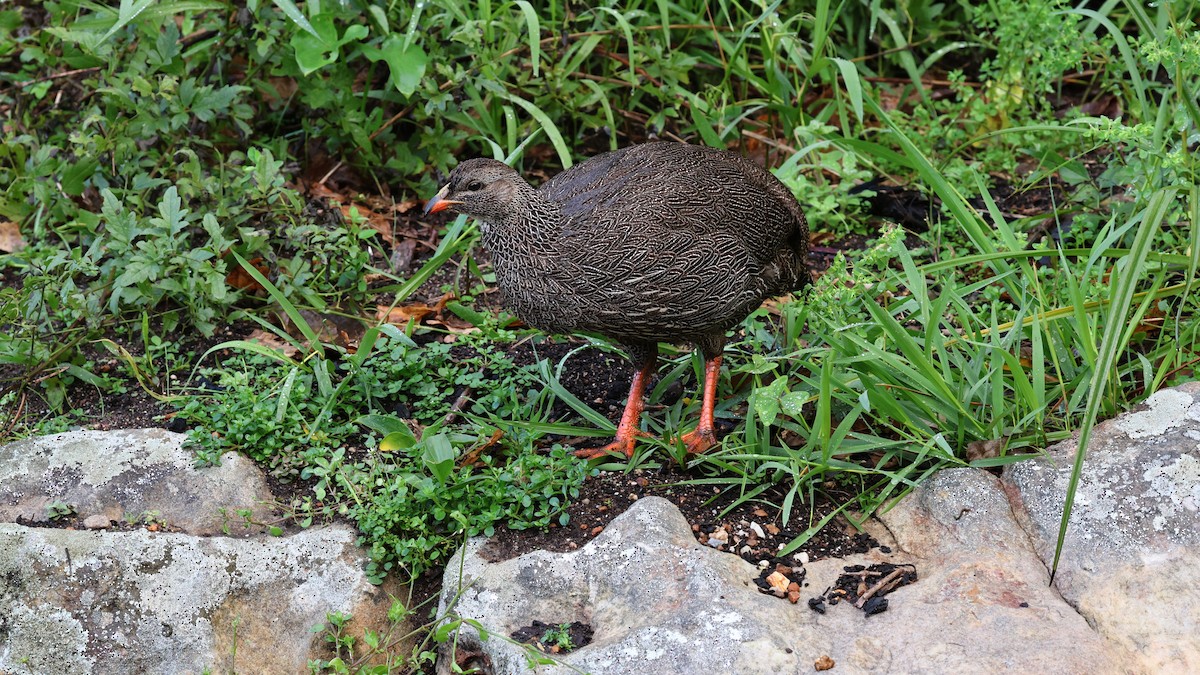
(885, 584)
(778, 582)
(823, 663)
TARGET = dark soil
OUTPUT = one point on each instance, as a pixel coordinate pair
(555, 638)
(865, 587)
(709, 510)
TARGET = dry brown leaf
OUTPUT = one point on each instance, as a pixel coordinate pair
(11, 240)
(985, 449)
(322, 191)
(402, 255)
(409, 205)
(453, 324)
(379, 222)
(343, 331)
(239, 278)
(272, 341)
(402, 314)
(285, 87)
(416, 311)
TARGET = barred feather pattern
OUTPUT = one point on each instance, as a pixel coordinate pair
(660, 242)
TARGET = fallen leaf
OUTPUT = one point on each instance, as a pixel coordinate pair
(1106, 105)
(402, 255)
(272, 341)
(323, 191)
(417, 311)
(473, 455)
(11, 240)
(240, 279)
(343, 331)
(377, 221)
(402, 314)
(977, 450)
(406, 206)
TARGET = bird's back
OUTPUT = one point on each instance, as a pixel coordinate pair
(672, 242)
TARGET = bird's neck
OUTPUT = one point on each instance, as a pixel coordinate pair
(531, 230)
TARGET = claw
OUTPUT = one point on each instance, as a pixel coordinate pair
(621, 445)
(699, 441)
(618, 447)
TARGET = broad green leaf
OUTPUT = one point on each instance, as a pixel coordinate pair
(406, 63)
(792, 403)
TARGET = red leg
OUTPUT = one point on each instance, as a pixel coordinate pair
(627, 430)
(704, 437)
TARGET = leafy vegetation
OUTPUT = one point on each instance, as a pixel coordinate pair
(167, 169)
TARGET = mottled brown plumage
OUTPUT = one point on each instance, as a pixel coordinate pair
(661, 242)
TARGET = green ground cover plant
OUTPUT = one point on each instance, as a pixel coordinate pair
(164, 169)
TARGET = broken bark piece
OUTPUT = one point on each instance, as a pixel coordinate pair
(778, 582)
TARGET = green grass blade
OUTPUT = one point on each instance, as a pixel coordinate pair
(533, 27)
(314, 342)
(1122, 300)
(556, 139)
(293, 12)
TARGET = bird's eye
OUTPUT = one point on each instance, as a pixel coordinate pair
(474, 186)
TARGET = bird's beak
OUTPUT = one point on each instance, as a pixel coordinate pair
(439, 201)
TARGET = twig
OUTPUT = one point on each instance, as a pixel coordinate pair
(458, 404)
(473, 456)
(862, 600)
(12, 423)
(56, 76)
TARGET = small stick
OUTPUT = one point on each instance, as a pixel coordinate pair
(862, 600)
(474, 455)
(457, 406)
(55, 76)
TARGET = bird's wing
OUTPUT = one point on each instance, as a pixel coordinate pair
(667, 280)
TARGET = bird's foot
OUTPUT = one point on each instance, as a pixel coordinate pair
(699, 441)
(621, 445)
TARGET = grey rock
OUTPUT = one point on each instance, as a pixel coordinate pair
(96, 522)
(660, 602)
(153, 602)
(139, 602)
(123, 475)
(1131, 558)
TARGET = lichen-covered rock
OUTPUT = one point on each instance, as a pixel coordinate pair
(129, 475)
(1131, 559)
(141, 602)
(660, 602)
(185, 601)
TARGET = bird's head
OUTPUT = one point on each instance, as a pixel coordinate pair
(483, 188)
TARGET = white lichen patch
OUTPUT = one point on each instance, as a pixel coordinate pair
(1176, 487)
(1165, 409)
(77, 450)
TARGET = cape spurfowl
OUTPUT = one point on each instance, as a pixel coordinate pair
(661, 242)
